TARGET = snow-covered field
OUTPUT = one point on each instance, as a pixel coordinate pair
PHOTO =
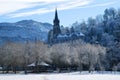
(61, 76)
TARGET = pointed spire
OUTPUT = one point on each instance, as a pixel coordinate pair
(56, 15)
(56, 20)
(56, 26)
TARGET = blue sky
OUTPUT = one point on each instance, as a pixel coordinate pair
(69, 11)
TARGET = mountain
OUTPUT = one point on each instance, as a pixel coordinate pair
(25, 30)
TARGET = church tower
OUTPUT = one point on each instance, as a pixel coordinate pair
(52, 35)
(56, 26)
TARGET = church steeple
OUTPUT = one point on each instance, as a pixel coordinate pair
(56, 26)
(56, 20)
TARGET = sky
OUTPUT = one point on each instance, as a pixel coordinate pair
(69, 11)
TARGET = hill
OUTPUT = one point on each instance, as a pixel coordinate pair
(25, 30)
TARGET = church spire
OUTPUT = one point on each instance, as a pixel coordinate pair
(56, 20)
(56, 26)
(56, 15)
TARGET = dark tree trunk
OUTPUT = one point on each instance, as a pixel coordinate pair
(7, 69)
(3, 69)
(14, 69)
(25, 70)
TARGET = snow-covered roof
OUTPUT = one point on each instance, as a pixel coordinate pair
(62, 36)
(66, 36)
(44, 64)
(40, 64)
(33, 64)
(77, 34)
(81, 34)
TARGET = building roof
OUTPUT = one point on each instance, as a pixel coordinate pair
(39, 64)
(66, 36)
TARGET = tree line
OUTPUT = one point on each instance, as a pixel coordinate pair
(73, 54)
(103, 30)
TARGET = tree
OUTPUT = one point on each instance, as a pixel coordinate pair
(113, 55)
(72, 30)
(83, 27)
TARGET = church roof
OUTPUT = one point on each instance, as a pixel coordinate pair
(65, 35)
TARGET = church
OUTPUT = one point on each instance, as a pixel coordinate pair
(55, 36)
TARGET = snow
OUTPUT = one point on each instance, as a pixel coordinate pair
(60, 76)
(23, 31)
(70, 36)
(41, 63)
(62, 36)
(44, 64)
(33, 64)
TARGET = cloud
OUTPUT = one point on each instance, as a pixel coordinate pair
(21, 8)
(48, 6)
(8, 6)
(39, 11)
(74, 4)
(100, 5)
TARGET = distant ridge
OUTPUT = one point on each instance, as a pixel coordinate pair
(25, 30)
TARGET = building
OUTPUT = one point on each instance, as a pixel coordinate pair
(40, 67)
(52, 35)
(55, 36)
(56, 26)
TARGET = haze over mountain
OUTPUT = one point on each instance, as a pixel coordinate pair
(25, 30)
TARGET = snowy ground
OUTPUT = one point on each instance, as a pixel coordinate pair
(62, 76)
